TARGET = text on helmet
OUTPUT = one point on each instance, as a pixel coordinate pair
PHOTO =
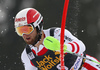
(20, 19)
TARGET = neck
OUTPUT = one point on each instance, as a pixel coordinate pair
(41, 41)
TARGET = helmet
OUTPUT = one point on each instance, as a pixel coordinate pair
(29, 16)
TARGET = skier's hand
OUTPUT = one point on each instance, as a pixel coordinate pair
(52, 43)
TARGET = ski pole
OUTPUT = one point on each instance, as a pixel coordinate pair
(82, 57)
(62, 33)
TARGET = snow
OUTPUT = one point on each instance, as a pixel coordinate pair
(3, 31)
(82, 30)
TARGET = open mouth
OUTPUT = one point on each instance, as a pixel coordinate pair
(28, 38)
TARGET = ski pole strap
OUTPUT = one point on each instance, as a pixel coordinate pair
(82, 64)
(84, 54)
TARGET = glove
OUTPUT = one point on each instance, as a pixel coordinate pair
(52, 43)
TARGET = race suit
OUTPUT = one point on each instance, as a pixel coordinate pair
(45, 59)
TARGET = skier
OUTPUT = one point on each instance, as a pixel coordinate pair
(42, 49)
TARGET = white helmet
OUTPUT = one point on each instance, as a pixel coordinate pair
(29, 16)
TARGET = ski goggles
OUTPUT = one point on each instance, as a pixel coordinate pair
(26, 29)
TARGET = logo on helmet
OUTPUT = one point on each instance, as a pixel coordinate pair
(20, 19)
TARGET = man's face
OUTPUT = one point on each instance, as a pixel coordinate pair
(31, 38)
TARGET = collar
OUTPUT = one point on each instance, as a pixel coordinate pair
(42, 50)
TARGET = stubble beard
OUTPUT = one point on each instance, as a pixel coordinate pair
(33, 41)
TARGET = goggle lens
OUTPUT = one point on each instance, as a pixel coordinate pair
(26, 29)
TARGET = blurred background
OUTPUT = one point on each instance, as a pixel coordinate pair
(83, 21)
